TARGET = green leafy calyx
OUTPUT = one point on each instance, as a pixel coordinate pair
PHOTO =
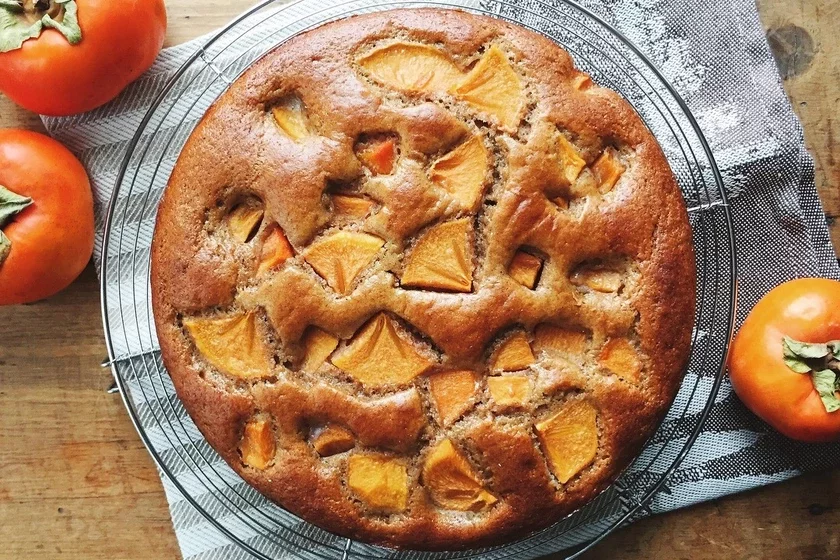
(21, 20)
(822, 361)
(11, 204)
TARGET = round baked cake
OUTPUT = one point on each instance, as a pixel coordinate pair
(421, 282)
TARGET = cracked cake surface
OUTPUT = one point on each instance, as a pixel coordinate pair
(422, 282)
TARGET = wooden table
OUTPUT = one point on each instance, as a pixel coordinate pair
(75, 481)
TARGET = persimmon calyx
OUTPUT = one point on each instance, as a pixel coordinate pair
(822, 361)
(21, 20)
(11, 204)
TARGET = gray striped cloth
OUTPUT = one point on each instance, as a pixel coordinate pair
(714, 54)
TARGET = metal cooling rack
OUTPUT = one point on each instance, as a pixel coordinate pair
(264, 529)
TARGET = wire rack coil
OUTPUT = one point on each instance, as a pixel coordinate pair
(244, 516)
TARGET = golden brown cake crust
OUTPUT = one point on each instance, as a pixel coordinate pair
(636, 229)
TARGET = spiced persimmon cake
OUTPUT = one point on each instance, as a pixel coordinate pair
(421, 282)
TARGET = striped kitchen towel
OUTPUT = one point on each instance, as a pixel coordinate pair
(714, 54)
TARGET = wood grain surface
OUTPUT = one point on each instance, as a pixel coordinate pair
(75, 481)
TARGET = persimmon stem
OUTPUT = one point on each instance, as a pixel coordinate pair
(34, 10)
(21, 20)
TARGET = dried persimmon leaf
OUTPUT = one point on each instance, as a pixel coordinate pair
(806, 350)
(825, 383)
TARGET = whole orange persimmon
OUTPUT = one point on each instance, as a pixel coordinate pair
(784, 362)
(46, 217)
(62, 57)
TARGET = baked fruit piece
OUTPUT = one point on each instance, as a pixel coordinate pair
(421, 282)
